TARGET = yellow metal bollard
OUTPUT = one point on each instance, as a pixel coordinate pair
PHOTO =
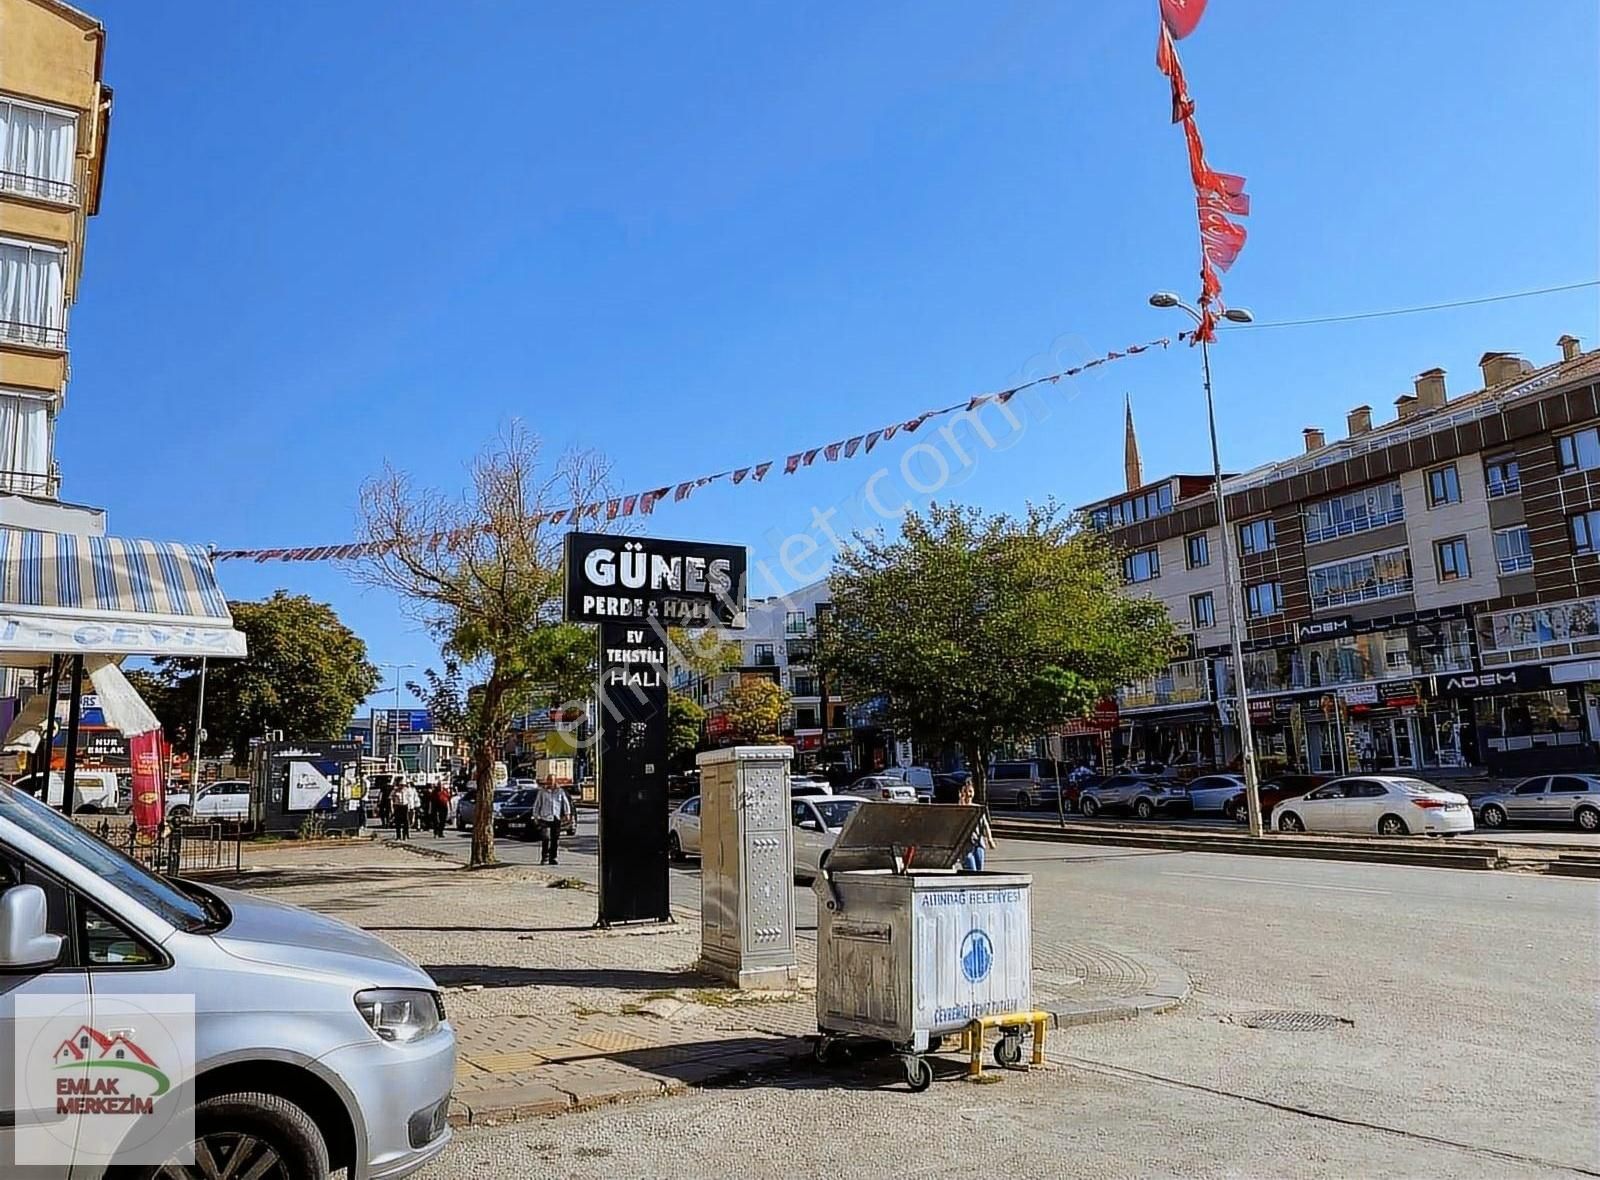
(972, 1037)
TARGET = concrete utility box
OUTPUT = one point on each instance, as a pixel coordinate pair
(747, 866)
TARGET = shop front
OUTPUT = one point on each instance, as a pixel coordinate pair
(1523, 719)
(1170, 718)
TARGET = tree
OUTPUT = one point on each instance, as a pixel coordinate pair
(482, 571)
(985, 629)
(754, 708)
(305, 675)
(703, 651)
(685, 718)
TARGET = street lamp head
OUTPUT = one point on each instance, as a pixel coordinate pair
(1164, 299)
(1238, 315)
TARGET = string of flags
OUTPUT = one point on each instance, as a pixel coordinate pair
(1217, 194)
(644, 503)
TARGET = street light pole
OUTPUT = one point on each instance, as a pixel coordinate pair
(1234, 585)
(394, 719)
(199, 732)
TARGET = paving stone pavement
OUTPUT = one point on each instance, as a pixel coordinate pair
(552, 1014)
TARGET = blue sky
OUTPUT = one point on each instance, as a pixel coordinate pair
(699, 235)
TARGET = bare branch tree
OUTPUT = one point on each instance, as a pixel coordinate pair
(482, 571)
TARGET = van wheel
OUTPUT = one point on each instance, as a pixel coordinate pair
(1024, 801)
(258, 1135)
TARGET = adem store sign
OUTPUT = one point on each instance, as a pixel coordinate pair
(621, 579)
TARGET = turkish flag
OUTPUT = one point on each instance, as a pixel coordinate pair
(1181, 16)
(1167, 62)
(1220, 238)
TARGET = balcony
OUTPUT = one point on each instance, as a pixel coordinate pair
(34, 335)
(63, 192)
(31, 483)
(1516, 563)
(1368, 593)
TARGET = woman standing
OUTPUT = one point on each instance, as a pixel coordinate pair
(982, 835)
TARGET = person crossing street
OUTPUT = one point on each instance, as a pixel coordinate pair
(551, 810)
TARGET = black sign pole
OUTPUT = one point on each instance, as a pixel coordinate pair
(634, 878)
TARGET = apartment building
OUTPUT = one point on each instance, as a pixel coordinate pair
(1421, 594)
(55, 115)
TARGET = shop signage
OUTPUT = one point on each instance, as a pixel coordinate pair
(1260, 711)
(1324, 628)
(613, 579)
(1398, 693)
(1359, 694)
(1476, 684)
(1105, 715)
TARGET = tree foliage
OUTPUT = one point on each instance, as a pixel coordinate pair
(702, 651)
(685, 718)
(754, 707)
(305, 674)
(482, 570)
(985, 629)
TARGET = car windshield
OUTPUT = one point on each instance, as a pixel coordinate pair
(501, 794)
(180, 909)
(522, 798)
(835, 811)
(1415, 786)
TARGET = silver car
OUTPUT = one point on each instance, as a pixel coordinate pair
(683, 830)
(816, 826)
(1545, 798)
(317, 1046)
(1142, 796)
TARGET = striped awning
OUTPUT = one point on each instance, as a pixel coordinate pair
(60, 592)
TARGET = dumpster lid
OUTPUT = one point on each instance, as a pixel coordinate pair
(922, 835)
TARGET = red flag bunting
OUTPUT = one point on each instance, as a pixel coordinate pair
(682, 492)
(761, 471)
(853, 445)
(628, 503)
(872, 439)
(791, 464)
(982, 399)
(890, 431)
(810, 456)
(1181, 16)
(556, 517)
(611, 509)
(739, 474)
(831, 452)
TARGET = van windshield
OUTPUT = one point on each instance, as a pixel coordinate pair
(179, 909)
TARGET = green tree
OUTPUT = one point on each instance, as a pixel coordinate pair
(305, 674)
(685, 718)
(986, 629)
(754, 707)
(483, 572)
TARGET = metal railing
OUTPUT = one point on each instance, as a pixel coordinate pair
(1516, 564)
(43, 187)
(38, 335)
(1392, 588)
(1351, 526)
(173, 849)
(1504, 487)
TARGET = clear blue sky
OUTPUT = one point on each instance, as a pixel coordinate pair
(695, 235)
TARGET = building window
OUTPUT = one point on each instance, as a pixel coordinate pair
(1141, 566)
(37, 147)
(1512, 553)
(1263, 599)
(1198, 550)
(764, 656)
(1258, 536)
(1202, 609)
(1355, 512)
(1586, 531)
(32, 307)
(805, 686)
(794, 623)
(1155, 502)
(1444, 486)
(25, 444)
(805, 719)
(1501, 476)
(1361, 579)
(1452, 559)
(1579, 451)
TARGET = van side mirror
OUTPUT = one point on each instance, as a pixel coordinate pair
(25, 940)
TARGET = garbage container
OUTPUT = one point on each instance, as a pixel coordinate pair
(908, 948)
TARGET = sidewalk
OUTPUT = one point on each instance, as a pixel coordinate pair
(554, 1015)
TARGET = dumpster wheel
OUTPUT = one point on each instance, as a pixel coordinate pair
(827, 1050)
(919, 1072)
(1008, 1049)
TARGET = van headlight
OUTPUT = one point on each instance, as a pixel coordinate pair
(401, 1014)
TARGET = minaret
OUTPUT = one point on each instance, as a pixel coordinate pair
(1132, 469)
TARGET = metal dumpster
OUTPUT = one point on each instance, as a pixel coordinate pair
(908, 948)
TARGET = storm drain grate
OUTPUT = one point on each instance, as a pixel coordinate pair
(1292, 1021)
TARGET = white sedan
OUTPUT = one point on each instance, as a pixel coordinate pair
(1390, 805)
(683, 830)
(816, 826)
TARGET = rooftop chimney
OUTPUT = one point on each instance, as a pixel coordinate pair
(1500, 367)
(1404, 406)
(1430, 389)
(1359, 420)
(1571, 346)
(1315, 439)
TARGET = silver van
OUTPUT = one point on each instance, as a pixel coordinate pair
(317, 1047)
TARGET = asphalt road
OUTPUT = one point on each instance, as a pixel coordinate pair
(1462, 1035)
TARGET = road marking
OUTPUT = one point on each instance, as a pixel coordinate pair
(1289, 884)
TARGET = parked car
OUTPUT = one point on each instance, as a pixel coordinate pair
(816, 826)
(318, 1047)
(1216, 793)
(809, 784)
(1019, 785)
(1137, 794)
(514, 817)
(228, 799)
(1559, 799)
(683, 785)
(1390, 805)
(467, 809)
(1274, 791)
(875, 786)
(919, 778)
(92, 790)
(683, 830)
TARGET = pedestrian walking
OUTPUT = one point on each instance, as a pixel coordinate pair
(406, 804)
(441, 809)
(551, 809)
(982, 836)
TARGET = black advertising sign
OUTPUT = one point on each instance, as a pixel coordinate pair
(633, 775)
(1324, 628)
(648, 580)
(1528, 678)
